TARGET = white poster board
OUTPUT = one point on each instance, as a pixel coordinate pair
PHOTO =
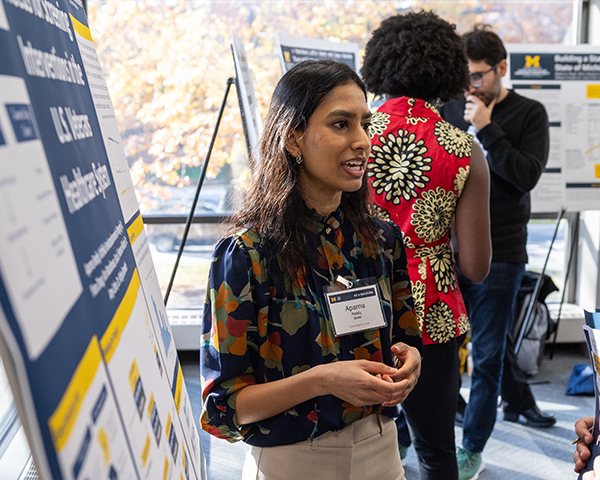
(253, 121)
(294, 50)
(566, 79)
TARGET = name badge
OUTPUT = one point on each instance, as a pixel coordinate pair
(355, 310)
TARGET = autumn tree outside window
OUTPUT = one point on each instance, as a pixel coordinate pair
(167, 63)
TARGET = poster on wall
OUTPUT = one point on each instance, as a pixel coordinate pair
(566, 79)
(83, 328)
(294, 50)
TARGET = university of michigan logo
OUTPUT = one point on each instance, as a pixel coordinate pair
(532, 61)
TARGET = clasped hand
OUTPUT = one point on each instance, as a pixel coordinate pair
(364, 382)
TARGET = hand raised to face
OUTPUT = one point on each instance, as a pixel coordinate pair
(477, 113)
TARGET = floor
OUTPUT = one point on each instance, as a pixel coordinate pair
(514, 451)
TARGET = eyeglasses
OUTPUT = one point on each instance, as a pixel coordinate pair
(476, 79)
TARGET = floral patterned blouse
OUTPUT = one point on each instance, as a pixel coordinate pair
(260, 326)
(418, 167)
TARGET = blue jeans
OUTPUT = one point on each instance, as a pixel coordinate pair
(490, 305)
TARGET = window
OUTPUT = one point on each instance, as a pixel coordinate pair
(539, 239)
(7, 407)
(14, 452)
(167, 63)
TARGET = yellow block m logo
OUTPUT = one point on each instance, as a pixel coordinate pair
(532, 60)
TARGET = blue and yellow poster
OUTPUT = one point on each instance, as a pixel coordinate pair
(82, 321)
(566, 80)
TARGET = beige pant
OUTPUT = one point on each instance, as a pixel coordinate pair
(364, 450)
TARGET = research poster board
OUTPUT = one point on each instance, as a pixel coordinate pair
(83, 329)
(252, 119)
(294, 50)
(566, 79)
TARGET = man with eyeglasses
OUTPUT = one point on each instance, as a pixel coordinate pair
(513, 131)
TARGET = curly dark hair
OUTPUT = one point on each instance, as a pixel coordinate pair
(482, 44)
(273, 203)
(417, 54)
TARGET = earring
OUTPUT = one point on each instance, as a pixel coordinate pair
(299, 159)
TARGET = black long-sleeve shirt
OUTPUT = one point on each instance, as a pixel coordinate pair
(517, 143)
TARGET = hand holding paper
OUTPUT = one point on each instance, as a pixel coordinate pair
(584, 438)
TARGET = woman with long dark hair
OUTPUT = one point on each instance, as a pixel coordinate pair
(309, 337)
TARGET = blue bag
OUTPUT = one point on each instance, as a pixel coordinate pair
(581, 381)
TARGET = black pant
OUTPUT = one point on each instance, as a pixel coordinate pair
(430, 410)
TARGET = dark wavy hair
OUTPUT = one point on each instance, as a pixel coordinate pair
(482, 44)
(273, 203)
(417, 54)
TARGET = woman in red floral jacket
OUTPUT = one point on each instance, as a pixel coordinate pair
(429, 178)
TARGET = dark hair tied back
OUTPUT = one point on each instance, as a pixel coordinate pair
(417, 54)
